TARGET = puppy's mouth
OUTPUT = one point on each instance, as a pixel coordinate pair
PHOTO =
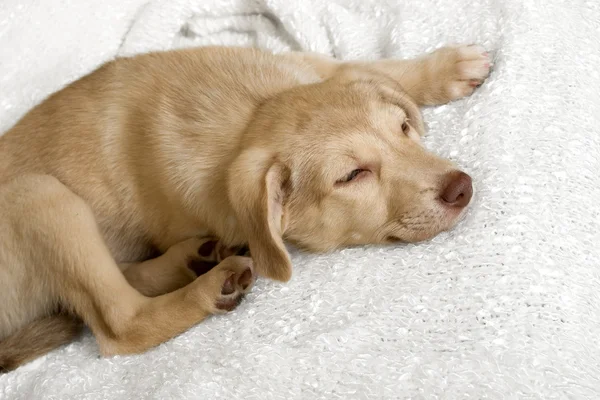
(426, 227)
(454, 217)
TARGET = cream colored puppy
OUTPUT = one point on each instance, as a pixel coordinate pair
(113, 190)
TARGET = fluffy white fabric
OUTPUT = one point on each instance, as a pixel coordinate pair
(505, 306)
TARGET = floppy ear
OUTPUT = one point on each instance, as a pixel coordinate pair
(389, 89)
(257, 186)
(393, 93)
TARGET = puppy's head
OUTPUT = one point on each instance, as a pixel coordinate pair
(340, 163)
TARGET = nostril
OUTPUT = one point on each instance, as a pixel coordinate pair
(458, 189)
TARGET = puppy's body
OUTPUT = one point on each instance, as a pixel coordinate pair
(159, 151)
(148, 145)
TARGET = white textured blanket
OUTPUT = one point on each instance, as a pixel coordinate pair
(506, 306)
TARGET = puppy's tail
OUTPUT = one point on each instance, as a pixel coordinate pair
(37, 339)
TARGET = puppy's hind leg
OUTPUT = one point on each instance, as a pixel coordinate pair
(62, 230)
(178, 267)
(29, 323)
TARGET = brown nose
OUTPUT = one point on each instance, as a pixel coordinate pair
(458, 189)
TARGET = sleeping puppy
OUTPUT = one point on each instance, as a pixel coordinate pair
(120, 189)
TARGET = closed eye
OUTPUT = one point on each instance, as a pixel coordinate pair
(352, 176)
(393, 239)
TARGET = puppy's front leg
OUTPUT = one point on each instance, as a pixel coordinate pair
(447, 74)
(181, 264)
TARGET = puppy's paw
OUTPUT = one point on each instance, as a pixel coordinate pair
(200, 255)
(236, 277)
(458, 70)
